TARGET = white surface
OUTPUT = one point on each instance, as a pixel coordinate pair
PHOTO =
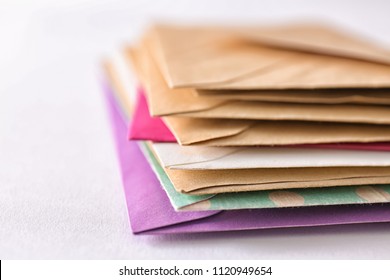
(60, 190)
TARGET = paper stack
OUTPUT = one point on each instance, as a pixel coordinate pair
(251, 127)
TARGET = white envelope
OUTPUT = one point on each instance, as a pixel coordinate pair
(174, 156)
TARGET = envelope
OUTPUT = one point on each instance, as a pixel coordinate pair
(174, 156)
(122, 82)
(243, 180)
(267, 199)
(164, 101)
(144, 127)
(335, 96)
(317, 38)
(219, 132)
(151, 213)
(208, 58)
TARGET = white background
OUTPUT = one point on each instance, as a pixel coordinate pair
(60, 188)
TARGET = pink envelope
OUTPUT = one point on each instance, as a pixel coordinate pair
(145, 127)
(150, 211)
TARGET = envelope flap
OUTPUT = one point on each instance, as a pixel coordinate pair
(192, 130)
(161, 99)
(190, 180)
(318, 38)
(188, 56)
(204, 58)
(143, 126)
(174, 156)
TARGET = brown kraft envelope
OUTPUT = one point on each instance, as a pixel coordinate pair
(210, 58)
(218, 181)
(317, 38)
(219, 132)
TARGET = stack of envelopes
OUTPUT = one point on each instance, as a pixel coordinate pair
(251, 127)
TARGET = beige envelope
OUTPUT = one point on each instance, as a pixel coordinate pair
(207, 58)
(120, 91)
(164, 101)
(349, 96)
(218, 181)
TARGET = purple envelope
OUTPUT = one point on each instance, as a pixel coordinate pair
(151, 212)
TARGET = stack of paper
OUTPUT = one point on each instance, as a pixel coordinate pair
(251, 127)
